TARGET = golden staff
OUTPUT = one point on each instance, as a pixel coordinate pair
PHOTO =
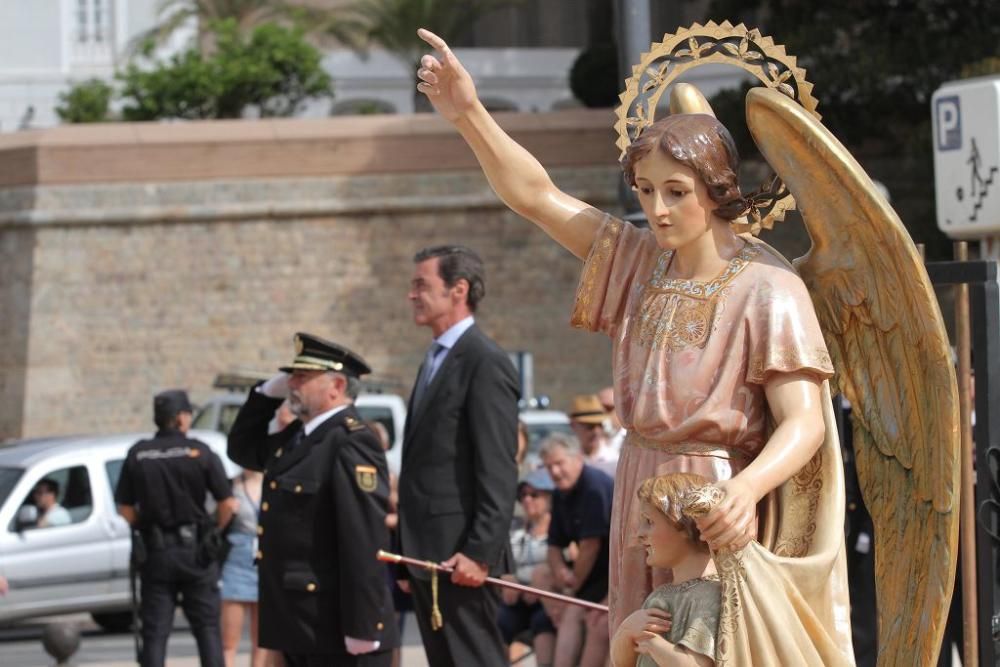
(436, 620)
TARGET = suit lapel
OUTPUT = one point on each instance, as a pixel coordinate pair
(428, 399)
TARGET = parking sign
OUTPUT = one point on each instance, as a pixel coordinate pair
(949, 122)
(966, 120)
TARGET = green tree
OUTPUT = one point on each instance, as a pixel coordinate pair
(875, 65)
(172, 15)
(86, 102)
(392, 24)
(274, 69)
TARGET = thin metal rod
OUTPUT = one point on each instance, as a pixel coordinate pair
(387, 557)
(967, 520)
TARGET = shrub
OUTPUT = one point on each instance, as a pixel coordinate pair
(274, 69)
(85, 102)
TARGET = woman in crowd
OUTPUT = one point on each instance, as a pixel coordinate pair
(529, 544)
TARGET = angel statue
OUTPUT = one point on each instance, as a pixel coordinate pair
(723, 354)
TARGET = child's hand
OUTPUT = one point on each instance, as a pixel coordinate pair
(646, 621)
(656, 647)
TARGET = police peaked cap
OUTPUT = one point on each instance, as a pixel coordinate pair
(313, 353)
(168, 404)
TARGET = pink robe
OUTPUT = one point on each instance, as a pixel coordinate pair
(690, 360)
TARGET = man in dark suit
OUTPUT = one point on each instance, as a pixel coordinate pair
(458, 477)
(323, 598)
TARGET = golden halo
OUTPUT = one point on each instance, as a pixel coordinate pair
(714, 44)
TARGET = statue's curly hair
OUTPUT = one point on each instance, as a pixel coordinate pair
(666, 494)
(702, 143)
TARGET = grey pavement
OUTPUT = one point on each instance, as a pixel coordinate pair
(20, 645)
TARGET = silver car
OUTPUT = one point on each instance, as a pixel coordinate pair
(80, 565)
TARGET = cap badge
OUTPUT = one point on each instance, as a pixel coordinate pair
(298, 344)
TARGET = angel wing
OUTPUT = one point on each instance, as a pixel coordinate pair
(887, 339)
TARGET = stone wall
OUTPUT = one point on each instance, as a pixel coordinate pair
(135, 258)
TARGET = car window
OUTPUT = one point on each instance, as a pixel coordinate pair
(62, 496)
(227, 415)
(8, 478)
(114, 470)
(203, 419)
(380, 414)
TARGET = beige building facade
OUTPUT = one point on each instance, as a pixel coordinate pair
(139, 257)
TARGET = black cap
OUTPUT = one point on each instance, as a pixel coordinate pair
(313, 353)
(167, 404)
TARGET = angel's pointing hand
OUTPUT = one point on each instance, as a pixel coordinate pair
(444, 81)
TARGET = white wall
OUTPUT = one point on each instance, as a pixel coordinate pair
(42, 53)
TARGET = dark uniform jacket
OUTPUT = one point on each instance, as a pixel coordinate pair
(167, 478)
(458, 480)
(322, 521)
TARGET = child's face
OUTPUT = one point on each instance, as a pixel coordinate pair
(666, 544)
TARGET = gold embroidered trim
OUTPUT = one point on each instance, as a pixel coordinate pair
(677, 314)
(694, 288)
(690, 583)
(672, 321)
(788, 360)
(690, 448)
(802, 499)
(600, 254)
(732, 574)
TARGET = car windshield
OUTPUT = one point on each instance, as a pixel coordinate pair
(8, 478)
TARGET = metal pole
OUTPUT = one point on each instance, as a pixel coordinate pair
(985, 297)
(967, 521)
(634, 38)
(634, 34)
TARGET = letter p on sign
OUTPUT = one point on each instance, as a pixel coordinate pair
(948, 119)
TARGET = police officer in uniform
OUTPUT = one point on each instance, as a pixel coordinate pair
(161, 493)
(323, 598)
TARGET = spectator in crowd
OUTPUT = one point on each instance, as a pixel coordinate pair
(46, 498)
(529, 545)
(401, 600)
(588, 420)
(239, 574)
(616, 432)
(581, 513)
(523, 439)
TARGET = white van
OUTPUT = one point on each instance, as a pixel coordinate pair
(81, 566)
(219, 413)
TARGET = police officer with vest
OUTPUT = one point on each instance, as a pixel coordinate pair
(323, 595)
(161, 493)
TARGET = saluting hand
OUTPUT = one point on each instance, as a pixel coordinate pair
(444, 81)
(467, 572)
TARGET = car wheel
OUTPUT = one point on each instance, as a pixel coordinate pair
(118, 621)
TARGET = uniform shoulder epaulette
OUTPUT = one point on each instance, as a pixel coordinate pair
(354, 424)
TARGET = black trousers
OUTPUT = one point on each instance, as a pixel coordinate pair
(378, 659)
(470, 635)
(166, 573)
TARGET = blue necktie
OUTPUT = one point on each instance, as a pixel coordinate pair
(426, 372)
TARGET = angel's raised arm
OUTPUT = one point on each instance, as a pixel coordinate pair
(514, 174)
